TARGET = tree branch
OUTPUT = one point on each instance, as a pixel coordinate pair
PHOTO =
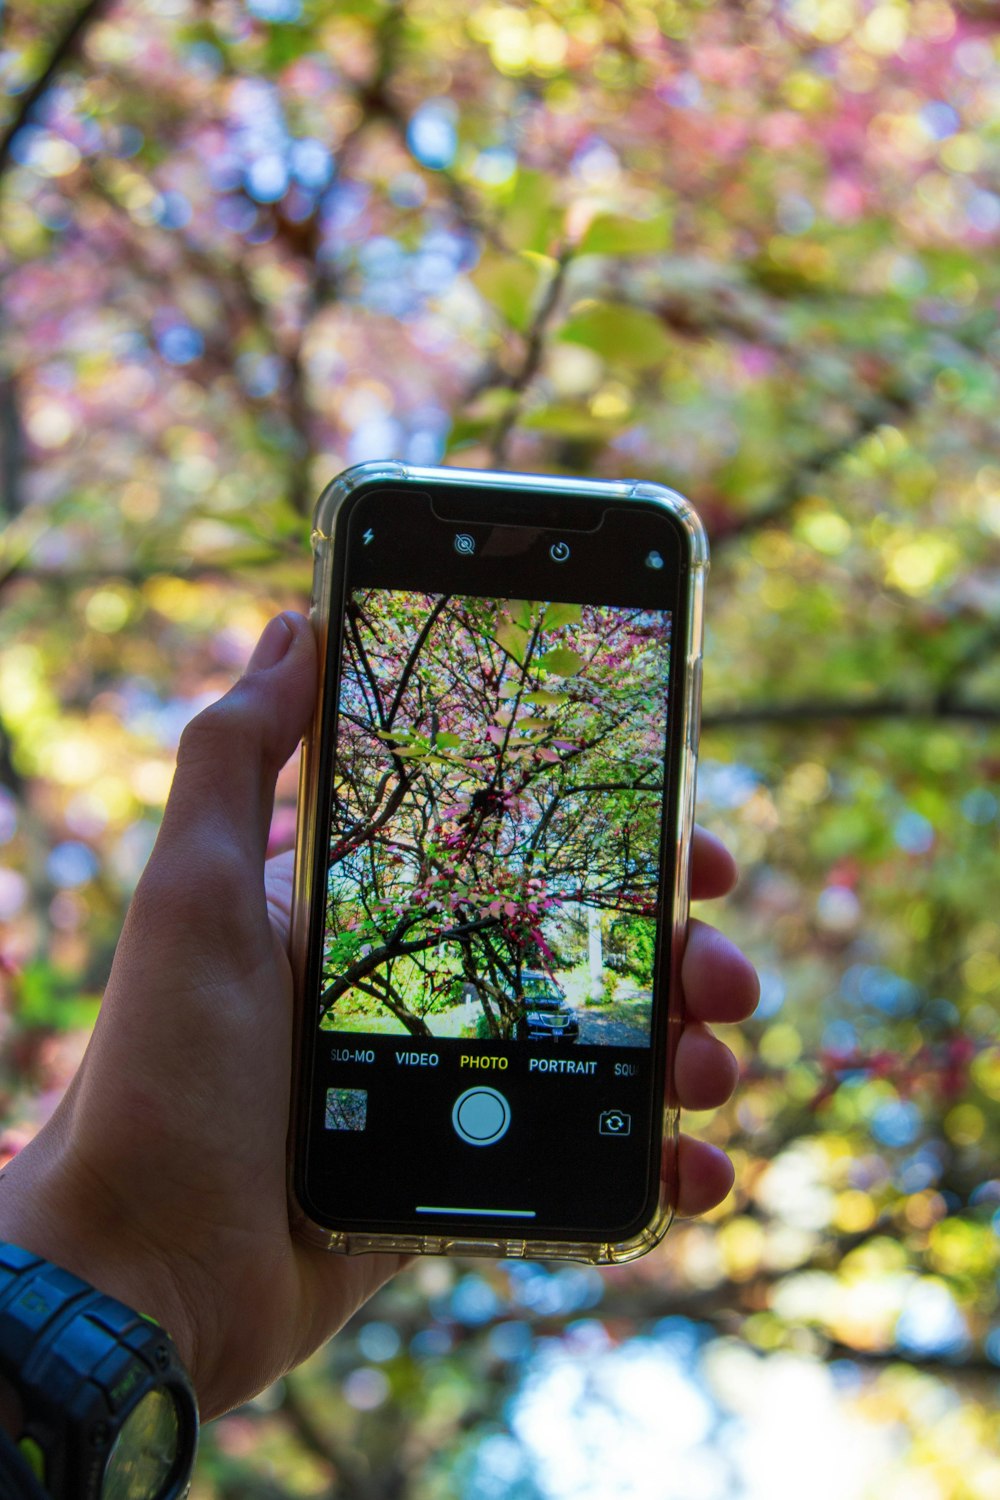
(824, 711)
(233, 282)
(348, 1467)
(378, 956)
(869, 416)
(11, 447)
(414, 654)
(982, 649)
(65, 47)
(521, 379)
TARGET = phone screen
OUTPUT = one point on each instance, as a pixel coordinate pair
(488, 969)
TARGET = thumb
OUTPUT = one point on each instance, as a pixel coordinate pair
(197, 924)
(229, 756)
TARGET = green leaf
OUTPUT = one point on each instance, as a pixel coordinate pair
(561, 662)
(562, 614)
(514, 641)
(285, 45)
(539, 725)
(510, 284)
(618, 234)
(446, 741)
(520, 611)
(618, 333)
(542, 698)
(481, 417)
(574, 421)
(450, 758)
(466, 433)
(530, 220)
(343, 950)
(489, 406)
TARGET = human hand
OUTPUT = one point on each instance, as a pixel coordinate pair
(161, 1177)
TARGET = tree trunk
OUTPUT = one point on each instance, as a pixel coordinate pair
(595, 947)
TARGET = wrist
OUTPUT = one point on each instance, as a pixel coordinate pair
(51, 1206)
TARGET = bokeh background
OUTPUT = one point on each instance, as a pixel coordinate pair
(749, 249)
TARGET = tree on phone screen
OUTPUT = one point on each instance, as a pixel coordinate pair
(498, 791)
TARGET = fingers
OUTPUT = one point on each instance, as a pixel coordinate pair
(705, 1176)
(230, 755)
(720, 984)
(713, 869)
(204, 876)
(705, 1071)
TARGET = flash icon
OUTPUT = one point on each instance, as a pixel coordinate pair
(368, 536)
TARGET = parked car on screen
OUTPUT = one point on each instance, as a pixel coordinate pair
(548, 1016)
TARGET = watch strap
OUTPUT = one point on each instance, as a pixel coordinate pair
(79, 1360)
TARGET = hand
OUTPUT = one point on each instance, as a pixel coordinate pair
(161, 1177)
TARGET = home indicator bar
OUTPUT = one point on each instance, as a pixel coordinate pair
(500, 1213)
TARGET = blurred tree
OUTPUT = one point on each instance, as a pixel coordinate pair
(747, 249)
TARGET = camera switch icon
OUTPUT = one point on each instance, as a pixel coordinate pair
(614, 1122)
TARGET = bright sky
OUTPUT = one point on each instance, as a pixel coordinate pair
(665, 1419)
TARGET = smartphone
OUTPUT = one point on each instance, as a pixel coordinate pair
(491, 895)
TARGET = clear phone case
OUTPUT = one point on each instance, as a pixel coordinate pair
(330, 502)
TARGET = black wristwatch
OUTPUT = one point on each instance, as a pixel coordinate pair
(108, 1411)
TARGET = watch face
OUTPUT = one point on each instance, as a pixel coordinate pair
(144, 1457)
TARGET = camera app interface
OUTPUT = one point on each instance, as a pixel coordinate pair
(486, 996)
(495, 856)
